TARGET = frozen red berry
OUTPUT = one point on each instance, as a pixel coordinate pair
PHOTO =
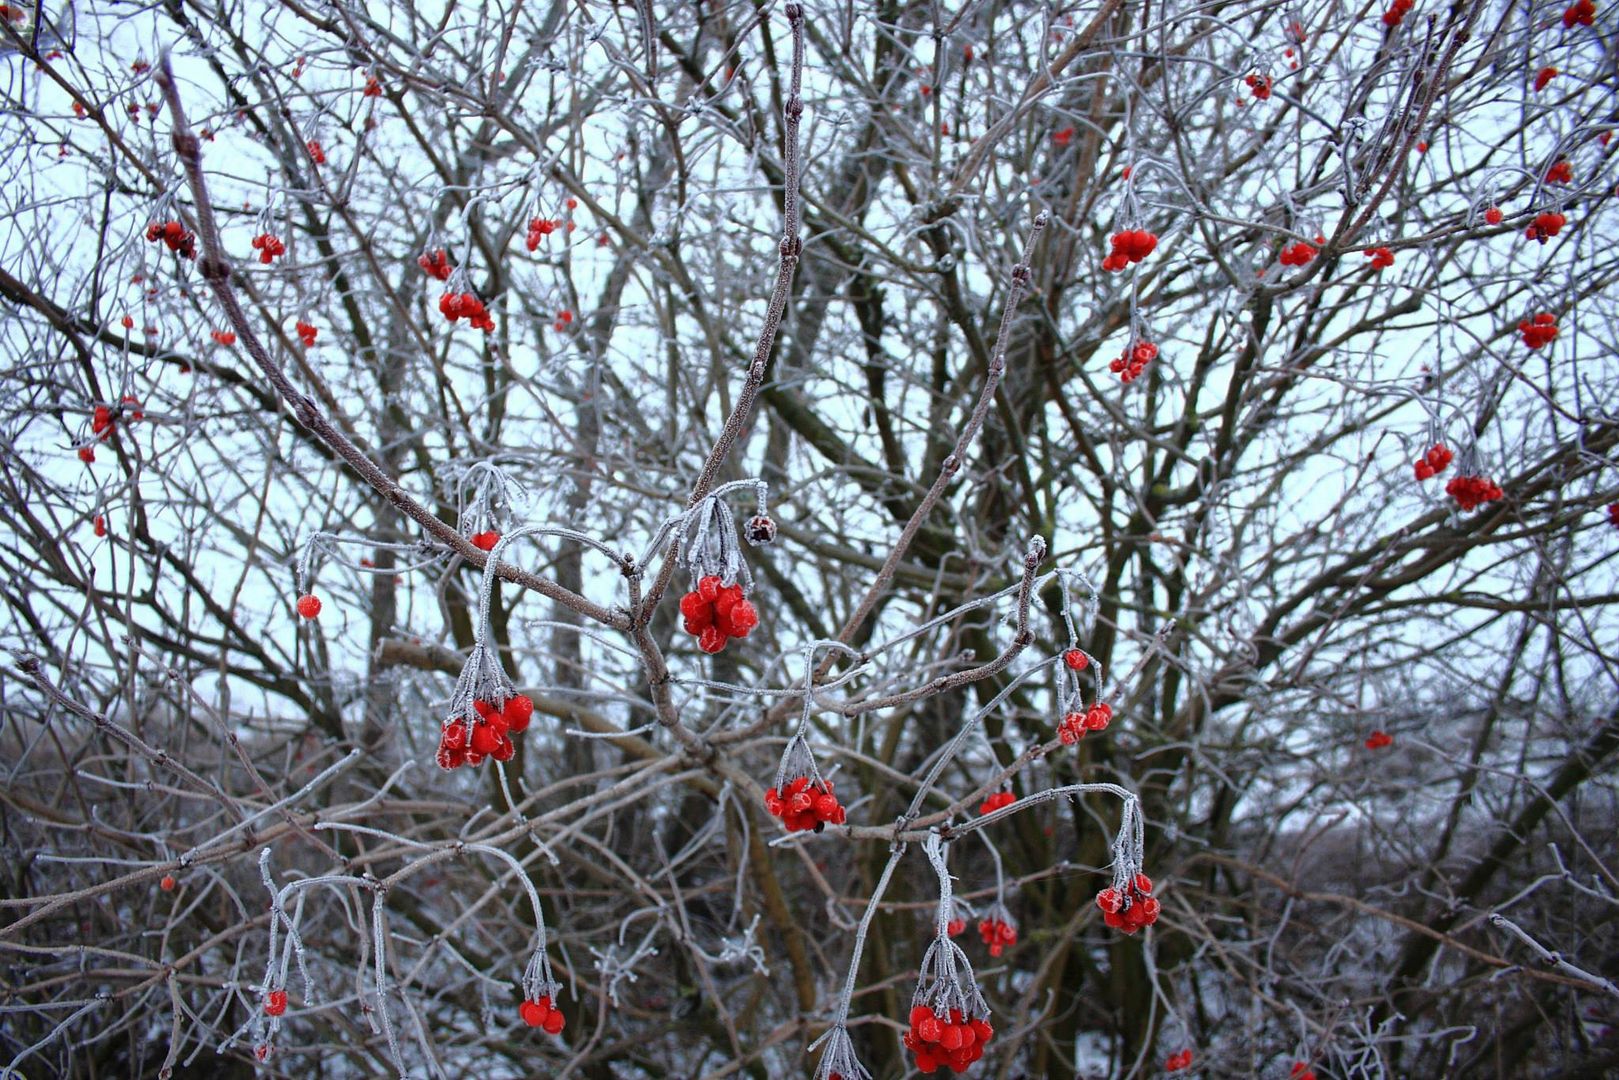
(995, 801)
(309, 606)
(435, 263)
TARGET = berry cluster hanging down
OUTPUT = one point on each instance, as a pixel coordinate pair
(463, 743)
(1582, 13)
(1434, 462)
(1297, 254)
(1539, 332)
(1129, 246)
(998, 933)
(436, 264)
(268, 247)
(541, 1013)
(466, 306)
(175, 236)
(1545, 226)
(802, 805)
(1132, 909)
(995, 801)
(1133, 361)
(1471, 492)
(951, 1040)
(716, 613)
(1075, 725)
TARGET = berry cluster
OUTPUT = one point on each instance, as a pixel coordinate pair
(275, 1002)
(716, 613)
(316, 154)
(538, 229)
(1561, 172)
(308, 606)
(1545, 226)
(1260, 85)
(103, 423)
(1183, 1060)
(1434, 462)
(803, 805)
(268, 247)
(1076, 724)
(564, 317)
(1382, 258)
(1471, 492)
(1544, 76)
(224, 337)
(466, 306)
(1132, 910)
(995, 801)
(1396, 13)
(1581, 13)
(435, 263)
(373, 87)
(306, 333)
(1378, 740)
(541, 1013)
(950, 1040)
(1301, 1071)
(998, 934)
(100, 525)
(1297, 254)
(1129, 365)
(1539, 332)
(175, 236)
(461, 743)
(956, 927)
(1129, 246)
(1063, 137)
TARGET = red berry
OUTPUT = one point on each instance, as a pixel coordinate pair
(436, 264)
(309, 606)
(275, 1002)
(1075, 659)
(486, 541)
(1493, 215)
(711, 640)
(518, 712)
(485, 739)
(167, 884)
